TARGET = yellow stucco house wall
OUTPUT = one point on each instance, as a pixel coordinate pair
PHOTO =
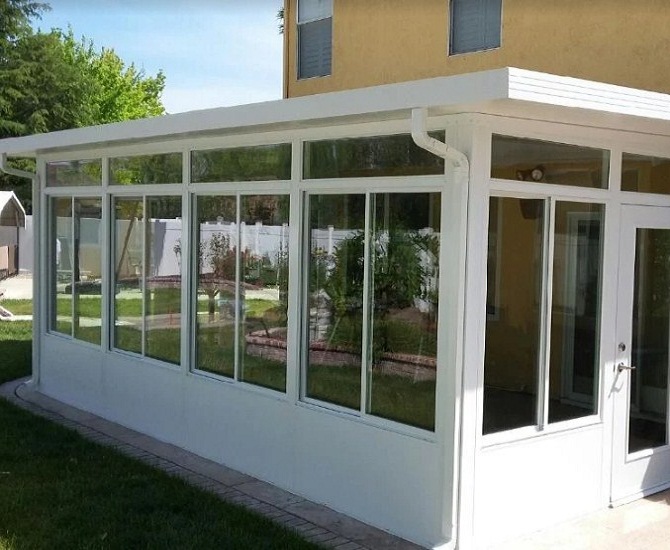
(385, 41)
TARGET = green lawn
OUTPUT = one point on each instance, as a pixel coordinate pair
(58, 490)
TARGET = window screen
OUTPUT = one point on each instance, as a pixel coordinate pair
(475, 25)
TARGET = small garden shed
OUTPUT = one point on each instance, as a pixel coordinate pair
(440, 306)
(12, 219)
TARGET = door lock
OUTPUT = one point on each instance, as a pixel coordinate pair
(622, 366)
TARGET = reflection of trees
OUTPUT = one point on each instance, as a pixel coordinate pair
(164, 168)
(403, 262)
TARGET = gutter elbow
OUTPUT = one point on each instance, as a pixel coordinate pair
(423, 140)
(13, 171)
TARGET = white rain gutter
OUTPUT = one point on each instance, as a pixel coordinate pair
(35, 378)
(460, 169)
(420, 136)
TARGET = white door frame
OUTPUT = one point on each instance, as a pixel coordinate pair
(647, 471)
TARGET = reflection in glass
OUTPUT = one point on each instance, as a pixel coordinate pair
(216, 289)
(87, 270)
(513, 332)
(645, 174)
(335, 299)
(128, 265)
(257, 163)
(163, 168)
(575, 314)
(162, 302)
(395, 155)
(404, 297)
(538, 161)
(74, 173)
(651, 341)
(62, 262)
(263, 289)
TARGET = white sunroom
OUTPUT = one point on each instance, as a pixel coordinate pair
(441, 307)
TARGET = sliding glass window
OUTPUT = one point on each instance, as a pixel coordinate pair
(241, 296)
(372, 284)
(76, 272)
(146, 260)
(543, 312)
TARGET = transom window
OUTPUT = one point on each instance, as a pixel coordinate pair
(315, 38)
(475, 25)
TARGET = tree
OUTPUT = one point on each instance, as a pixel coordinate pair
(52, 81)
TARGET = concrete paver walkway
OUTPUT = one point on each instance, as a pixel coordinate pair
(313, 521)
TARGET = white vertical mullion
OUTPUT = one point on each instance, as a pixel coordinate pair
(188, 307)
(544, 358)
(143, 286)
(72, 270)
(367, 329)
(106, 289)
(238, 308)
(298, 263)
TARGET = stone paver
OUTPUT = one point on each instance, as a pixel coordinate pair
(314, 522)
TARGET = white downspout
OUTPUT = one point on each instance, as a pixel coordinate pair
(35, 378)
(460, 167)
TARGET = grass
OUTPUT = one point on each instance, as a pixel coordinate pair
(58, 490)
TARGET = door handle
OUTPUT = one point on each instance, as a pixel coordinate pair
(622, 366)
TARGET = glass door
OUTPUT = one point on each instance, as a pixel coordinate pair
(641, 441)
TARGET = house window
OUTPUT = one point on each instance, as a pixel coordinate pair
(74, 173)
(542, 345)
(241, 310)
(371, 304)
(315, 37)
(147, 276)
(255, 163)
(146, 169)
(476, 25)
(642, 174)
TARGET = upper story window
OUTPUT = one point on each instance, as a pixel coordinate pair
(475, 25)
(315, 37)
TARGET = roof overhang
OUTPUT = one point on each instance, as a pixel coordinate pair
(506, 92)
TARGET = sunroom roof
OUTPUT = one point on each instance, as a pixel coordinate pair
(508, 92)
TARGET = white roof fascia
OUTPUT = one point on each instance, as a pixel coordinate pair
(505, 92)
(392, 101)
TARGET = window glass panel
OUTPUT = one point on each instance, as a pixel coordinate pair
(513, 319)
(216, 295)
(547, 162)
(575, 314)
(648, 410)
(475, 25)
(128, 262)
(395, 155)
(87, 272)
(264, 235)
(74, 173)
(62, 265)
(258, 163)
(645, 174)
(315, 48)
(314, 9)
(335, 298)
(404, 298)
(164, 168)
(162, 302)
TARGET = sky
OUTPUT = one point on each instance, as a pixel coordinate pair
(213, 53)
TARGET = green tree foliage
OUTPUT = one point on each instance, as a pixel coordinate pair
(52, 81)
